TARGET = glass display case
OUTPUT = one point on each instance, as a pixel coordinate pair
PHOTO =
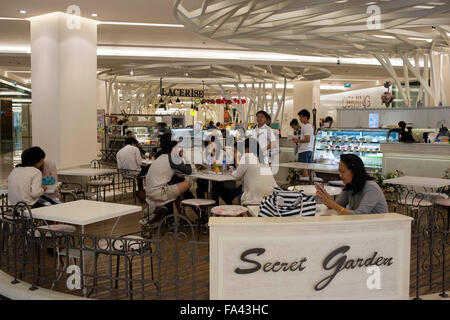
(145, 135)
(329, 144)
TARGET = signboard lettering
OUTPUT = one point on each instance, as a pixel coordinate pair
(336, 262)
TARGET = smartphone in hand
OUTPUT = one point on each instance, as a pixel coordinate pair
(319, 186)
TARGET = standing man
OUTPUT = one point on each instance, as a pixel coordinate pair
(129, 158)
(297, 131)
(306, 140)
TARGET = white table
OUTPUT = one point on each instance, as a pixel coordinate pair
(84, 212)
(219, 177)
(310, 190)
(422, 182)
(419, 182)
(311, 167)
(85, 172)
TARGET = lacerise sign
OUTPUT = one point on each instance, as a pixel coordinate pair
(353, 257)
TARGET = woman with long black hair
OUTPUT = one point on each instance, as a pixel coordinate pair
(25, 181)
(361, 195)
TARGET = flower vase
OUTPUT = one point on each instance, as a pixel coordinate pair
(387, 104)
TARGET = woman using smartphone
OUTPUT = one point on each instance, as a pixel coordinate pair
(361, 195)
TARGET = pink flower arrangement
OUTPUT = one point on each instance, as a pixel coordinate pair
(387, 97)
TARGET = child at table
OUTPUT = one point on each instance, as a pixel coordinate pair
(25, 181)
(49, 169)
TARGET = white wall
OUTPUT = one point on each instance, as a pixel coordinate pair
(331, 102)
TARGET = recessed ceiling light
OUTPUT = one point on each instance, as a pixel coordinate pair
(422, 39)
(94, 15)
(22, 11)
(384, 37)
(424, 7)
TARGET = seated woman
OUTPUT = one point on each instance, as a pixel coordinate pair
(257, 178)
(49, 169)
(25, 181)
(158, 187)
(361, 195)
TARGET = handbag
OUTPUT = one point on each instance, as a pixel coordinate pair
(282, 203)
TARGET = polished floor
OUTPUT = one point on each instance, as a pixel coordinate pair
(10, 152)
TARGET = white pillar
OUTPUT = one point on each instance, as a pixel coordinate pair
(101, 95)
(306, 96)
(64, 83)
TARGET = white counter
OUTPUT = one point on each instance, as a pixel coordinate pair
(321, 257)
(416, 159)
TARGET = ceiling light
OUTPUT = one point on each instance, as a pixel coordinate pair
(424, 7)
(12, 93)
(170, 102)
(384, 37)
(94, 15)
(144, 24)
(22, 11)
(131, 72)
(331, 87)
(422, 39)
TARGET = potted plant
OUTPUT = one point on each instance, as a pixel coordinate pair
(294, 177)
(389, 190)
(387, 97)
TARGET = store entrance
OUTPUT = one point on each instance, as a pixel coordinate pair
(15, 135)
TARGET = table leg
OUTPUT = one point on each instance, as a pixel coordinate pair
(311, 175)
(209, 189)
(83, 264)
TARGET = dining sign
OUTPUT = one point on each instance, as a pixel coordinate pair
(362, 257)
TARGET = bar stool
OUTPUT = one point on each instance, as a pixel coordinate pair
(251, 203)
(229, 211)
(197, 205)
(336, 183)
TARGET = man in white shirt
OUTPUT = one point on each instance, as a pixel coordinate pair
(306, 140)
(265, 135)
(297, 131)
(129, 158)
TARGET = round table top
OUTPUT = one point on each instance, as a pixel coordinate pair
(443, 202)
(310, 190)
(229, 211)
(198, 202)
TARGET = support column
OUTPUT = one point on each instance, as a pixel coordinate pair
(440, 78)
(306, 96)
(64, 83)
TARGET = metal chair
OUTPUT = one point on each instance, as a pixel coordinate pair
(127, 246)
(103, 181)
(198, 205)
(129, 176)
(229, 211)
